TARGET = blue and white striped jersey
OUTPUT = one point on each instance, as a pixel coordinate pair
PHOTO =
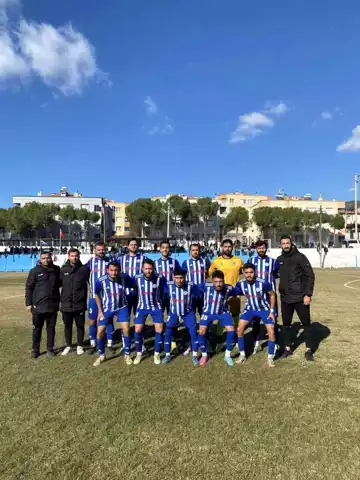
(150, 292)
(166, 268)
(256, 294)
(112, 294)
(215, 302)
(131, 265)
(196, 270)
(97, 267)
(267, 269)
(181, 298)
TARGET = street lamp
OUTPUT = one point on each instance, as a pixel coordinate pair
(356, 181)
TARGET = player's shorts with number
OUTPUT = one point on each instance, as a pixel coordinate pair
(175, 321)
(121, 315)
(225, 319)
(92, 309)
(141, 316)
(251, 315)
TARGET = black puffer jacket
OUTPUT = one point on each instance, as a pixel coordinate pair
(74, 281)
(297, 277)
(42, 289)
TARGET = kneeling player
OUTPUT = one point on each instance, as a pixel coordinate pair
(260, 303)
(150, 289)
(216, 308)
(181, 296)
(111, 300)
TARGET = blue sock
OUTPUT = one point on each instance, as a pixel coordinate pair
(230, 340)
(101, 345)
(241, 344)
(202, 343)
(127, 341)
(110, 331)
(92, 331)
(194, 339)
(271, 347)
(167, 340)
(158, 342)
(138, 341)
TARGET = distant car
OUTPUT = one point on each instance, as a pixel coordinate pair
(350, 244)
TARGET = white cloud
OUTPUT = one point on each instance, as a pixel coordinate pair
(62, 58)
(151, 106)
(352, 144)
(278, 110)
(250, 126)
(162, 129)
(326, 115)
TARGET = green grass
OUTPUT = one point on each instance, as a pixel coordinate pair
(63, 419)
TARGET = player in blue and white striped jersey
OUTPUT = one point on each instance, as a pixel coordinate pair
(150, 289)
(266, 268)
(196, 269)
(216, 295)
(131, 264)
(97, 266)
(165, 267)
(260, 304)
(181, 295)
(111, 301)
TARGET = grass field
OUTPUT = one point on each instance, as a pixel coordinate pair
(63, 419)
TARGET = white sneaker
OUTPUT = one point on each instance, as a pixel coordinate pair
(270, 362)
(144, 350)
(257, 348)
(187, 351)
(99, 361)
(157, 360)
(240, 359)
(128, 360)
(79, 350)
(66, 351)
(137, 359)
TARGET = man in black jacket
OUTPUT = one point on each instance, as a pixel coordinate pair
(42, 298)
(74, 279)
(296, 289)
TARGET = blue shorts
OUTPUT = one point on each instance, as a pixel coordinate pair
(225, 319)
(141, 316)
(251, 315)
(122, 315)
(174, 320)
(92, 310)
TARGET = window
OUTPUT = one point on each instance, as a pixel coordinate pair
(231, 200)
(85, 206)
(127, 229)
(118, 229)
(222, 210)
(118, 209)
(119, 219)
(97, 208)
(126, 219)
(97, 235)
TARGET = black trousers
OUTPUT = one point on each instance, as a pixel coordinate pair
(303, 311)
(38, 321)
(69, 318)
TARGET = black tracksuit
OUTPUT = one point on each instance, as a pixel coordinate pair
(42, 293)
(296, 281)
(74, 281)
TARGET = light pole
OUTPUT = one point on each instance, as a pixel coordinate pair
(356, 181)
(168, 221)
(320, 235)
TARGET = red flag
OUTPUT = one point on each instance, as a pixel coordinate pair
(61, 233)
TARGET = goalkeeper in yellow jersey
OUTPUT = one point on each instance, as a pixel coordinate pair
(231, 266)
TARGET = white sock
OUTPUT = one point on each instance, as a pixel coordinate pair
(167, 354)
(270, 356)
(194, 353)
(109, 343)
(123, 341)
(93, 343)
(138, 354)
(242, 353)
(227, 353)
(257, 343)
(204, 354)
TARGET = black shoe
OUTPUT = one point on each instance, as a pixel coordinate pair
(51, 353)
(287, 353)
(91, 351)
(35, 354)
(309, 357)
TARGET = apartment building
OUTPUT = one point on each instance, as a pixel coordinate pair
(121, 226)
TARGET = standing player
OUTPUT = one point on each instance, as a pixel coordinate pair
(260, 303)
(150, 288)
(216, 308)
(196, 269)
(165, 267)
(181, 295)
(131, 264)
(266, 268)
(231, 266)
(111, 300)
(97, 266)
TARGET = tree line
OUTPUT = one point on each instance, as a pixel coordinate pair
(148, 217)
(34, 218)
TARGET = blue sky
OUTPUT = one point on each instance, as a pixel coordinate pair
(134, 98)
